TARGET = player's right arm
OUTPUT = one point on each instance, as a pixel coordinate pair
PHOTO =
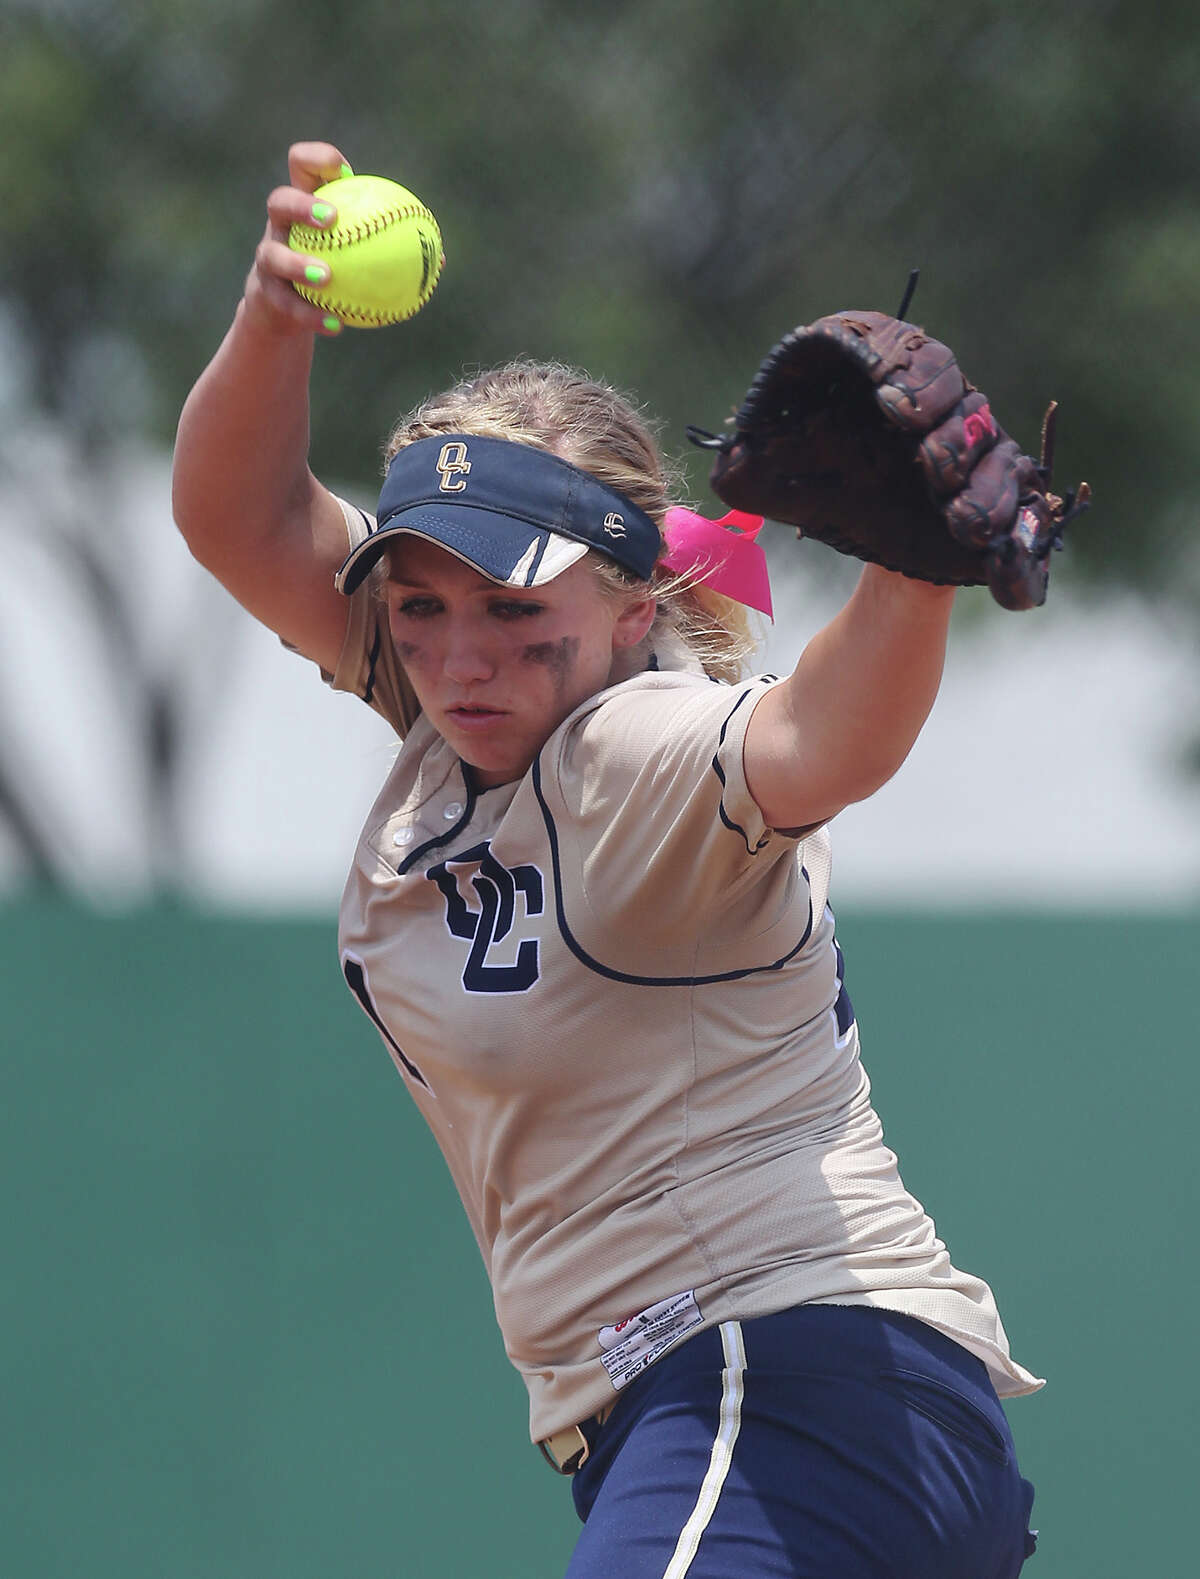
(244, 498)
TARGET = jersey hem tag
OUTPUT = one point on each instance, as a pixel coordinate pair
(635, 1343)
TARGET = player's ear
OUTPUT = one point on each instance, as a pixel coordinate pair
(634, 620)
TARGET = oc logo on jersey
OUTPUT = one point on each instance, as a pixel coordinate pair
(496, 890)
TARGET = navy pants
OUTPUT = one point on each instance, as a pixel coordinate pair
(823, 1442)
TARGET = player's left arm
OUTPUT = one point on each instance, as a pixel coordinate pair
(845, 719)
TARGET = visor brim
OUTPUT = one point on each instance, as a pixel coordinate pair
(508, 551)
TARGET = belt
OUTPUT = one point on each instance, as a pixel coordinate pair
(569, 1450)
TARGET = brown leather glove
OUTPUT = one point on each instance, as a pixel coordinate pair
(861, 431)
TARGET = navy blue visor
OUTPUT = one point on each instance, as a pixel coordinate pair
(518, 515)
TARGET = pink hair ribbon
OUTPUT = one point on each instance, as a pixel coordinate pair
(723, 554)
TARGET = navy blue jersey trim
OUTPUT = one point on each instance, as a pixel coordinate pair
(376, 645)
(607, 971)
(733, 827)
(372, 660)
(843, 1009)
(409, 861)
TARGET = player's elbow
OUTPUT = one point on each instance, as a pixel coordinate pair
(196, 506)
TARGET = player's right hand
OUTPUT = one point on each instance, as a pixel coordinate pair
(270, 300)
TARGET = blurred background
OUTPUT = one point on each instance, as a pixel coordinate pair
(245, 1331)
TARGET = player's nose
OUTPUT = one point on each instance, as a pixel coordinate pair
(465, 658)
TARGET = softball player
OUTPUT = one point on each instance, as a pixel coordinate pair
(588, 916)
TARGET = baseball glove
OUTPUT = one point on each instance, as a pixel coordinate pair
(861, 431)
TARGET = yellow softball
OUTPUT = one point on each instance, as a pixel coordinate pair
(384, 252)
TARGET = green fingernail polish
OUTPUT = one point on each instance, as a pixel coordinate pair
(315, 274)
(346, 170)
(331, 323)
(322, 213)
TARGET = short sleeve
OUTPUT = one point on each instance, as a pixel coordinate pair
(658, 832)
(368, 666)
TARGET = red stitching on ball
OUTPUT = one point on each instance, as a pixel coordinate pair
(333, 240)
(327, 241)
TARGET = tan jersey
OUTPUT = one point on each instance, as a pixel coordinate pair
(616, 997)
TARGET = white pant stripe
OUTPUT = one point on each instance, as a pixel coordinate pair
(722, 1451)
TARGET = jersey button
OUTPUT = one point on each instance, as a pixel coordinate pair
(404, 835)
(452, 809)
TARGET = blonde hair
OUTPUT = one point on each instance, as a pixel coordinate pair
(593, 426)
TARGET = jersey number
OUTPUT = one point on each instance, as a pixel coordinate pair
(356, 980)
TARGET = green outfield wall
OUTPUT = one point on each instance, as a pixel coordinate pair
(245, 1329)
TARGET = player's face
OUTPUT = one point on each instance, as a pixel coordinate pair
(495, 669)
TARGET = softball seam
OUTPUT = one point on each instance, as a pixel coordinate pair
(333, 241)
(350, 314)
